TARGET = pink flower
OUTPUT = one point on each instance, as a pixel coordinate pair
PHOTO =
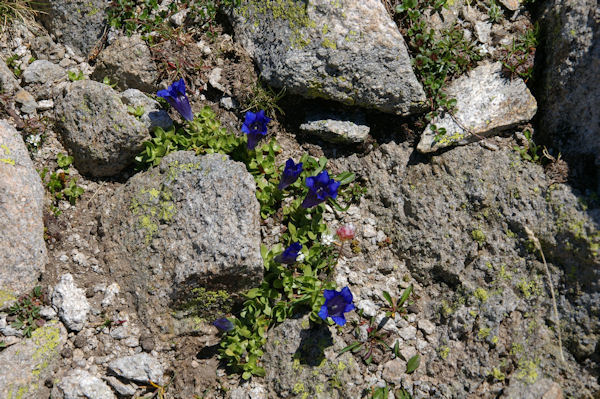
(346, 232)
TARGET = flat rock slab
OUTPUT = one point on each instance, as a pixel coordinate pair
(190, 223)
(344, 50)
(487, 102)
(31, 362)
(141, 368)
(337, 128)
(23, 254)
(97, 129)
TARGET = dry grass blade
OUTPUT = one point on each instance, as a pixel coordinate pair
(22, 10)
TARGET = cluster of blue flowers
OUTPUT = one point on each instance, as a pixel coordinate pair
(320, 187)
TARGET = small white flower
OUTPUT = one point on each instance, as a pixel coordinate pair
(34, 139)
(327, 239)
(300, 257)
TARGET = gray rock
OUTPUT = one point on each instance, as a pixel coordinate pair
(128, 62)
(426, 326)
(44, 48)
(228, 103)
(96, 128)
(28, 104)
(214, 78)
(569, 95)
(8, 83)
(486, 103)
(42, 72)
(153, 116)
(341, 128)
(351, 53)
(543, 388)
(191, 223)
(122, 389)
(79, 384)
(304, 360)
(31, 362)
(21, 227)
(141, 368)
(71, 303)
(78, 24)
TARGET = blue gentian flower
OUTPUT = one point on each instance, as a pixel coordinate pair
(336, 304)
(223, 324)
(290, 173)
(175, 96)
(320, 188)
(255, 126)
(290, 254)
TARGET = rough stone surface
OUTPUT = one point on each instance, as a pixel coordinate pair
(304, 361)
(342, 128)
(541, 389)
(100, 134)
(349, 51)
(26, 100)
(191, 222)
(140, 368)
(486, 103)
(42, 71)
(78, 24)
(153, 116)
(569, 95)
(71, 303)
(128, 62)
(8, 83)
(31, 362)
(79, 384)
(23, 256)
(457, 224)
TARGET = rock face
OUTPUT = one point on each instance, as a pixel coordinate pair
(337, 128)
(153, 116)
(191, 223)
(570, 94)
(140, 368)
(80, 384)
(100, 134)
(128, 62)
(21, 227)
(71, 303)
(305, 362)
(78, 24)
(349, 51)
(486, 103)
(42, 71)
(8, 83)
(457, 221)
(31, 362)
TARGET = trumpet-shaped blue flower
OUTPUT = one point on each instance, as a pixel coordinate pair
(290, 173)
(223, 324)
(320, 188)
(290, 254)
(336, 304)
(175, 96)
(255, 126)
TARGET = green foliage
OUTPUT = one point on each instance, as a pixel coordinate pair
(518, 57)
(137, 111)
(395, 305)
(531, 151)
(11, 10)
(495, 13)
(285, 290)
(73, 76)
(106, 80)
(60, 184)
(146, 17)
(384, 392)
(26, 312)
(264, 97)
(11, 62)
(437, 58)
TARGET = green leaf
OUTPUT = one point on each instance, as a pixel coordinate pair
(413, 364)
(253, 293)
(388, 298)
(405, 295)
(351, 347)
